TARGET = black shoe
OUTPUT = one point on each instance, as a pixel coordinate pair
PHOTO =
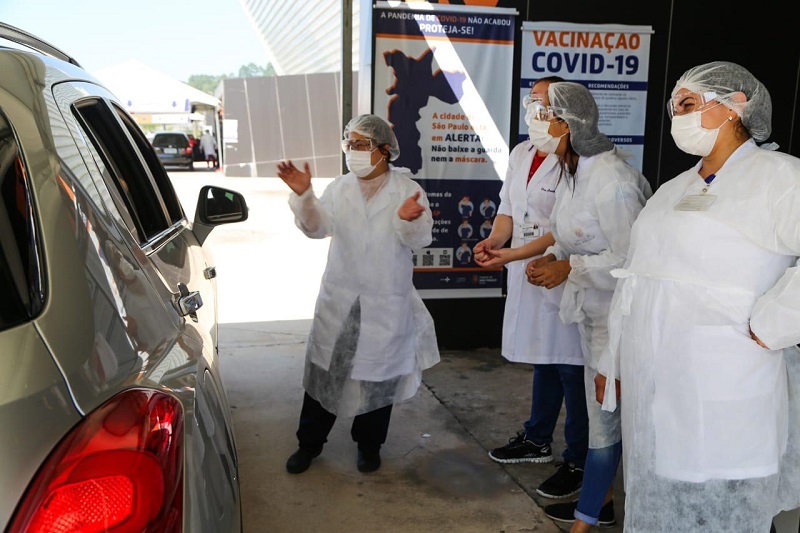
(521, 450)
(564, 483)
(368, 461)
(565, 512)
(300, 460)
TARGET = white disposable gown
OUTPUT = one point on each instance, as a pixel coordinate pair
(710, 419)
(591, 223)
(532, 330)
(371, 335)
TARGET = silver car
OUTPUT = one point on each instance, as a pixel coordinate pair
(113, 414)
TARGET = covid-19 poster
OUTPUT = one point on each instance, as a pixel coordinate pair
(443, 78)
(611, 60)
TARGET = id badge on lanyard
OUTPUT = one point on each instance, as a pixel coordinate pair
(530, 230)
(698, 202)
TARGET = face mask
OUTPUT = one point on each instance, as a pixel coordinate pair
(690, 136)
(541, 138)
(359, 162)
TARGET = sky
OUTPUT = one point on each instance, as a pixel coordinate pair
(176, 37)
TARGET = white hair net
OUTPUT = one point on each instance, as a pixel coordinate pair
(576, 106)
(377, 129)
(727, 79)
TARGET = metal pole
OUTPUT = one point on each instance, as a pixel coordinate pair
(347, 66)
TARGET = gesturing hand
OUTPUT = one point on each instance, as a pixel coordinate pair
(411, 209)
(298, 181)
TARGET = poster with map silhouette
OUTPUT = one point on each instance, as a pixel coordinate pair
(443, 78)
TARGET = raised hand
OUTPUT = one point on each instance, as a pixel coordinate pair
(298, 181)
(411, 208)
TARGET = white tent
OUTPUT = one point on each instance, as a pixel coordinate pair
(143, 89)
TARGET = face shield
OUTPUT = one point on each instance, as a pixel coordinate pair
(682, 104)
(358, 145)
(537, 111)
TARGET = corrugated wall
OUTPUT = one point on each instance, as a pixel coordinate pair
(302, 37)
(283, 117)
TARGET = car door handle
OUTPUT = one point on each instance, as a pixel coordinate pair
(188, 302)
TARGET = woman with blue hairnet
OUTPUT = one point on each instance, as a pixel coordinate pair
(589, 233)
(705, 320)
(371, 336)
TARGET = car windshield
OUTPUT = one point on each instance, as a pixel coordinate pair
(175, 140)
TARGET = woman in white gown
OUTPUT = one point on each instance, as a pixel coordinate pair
(705, 319)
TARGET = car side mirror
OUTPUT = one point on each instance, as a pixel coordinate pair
(217, 206)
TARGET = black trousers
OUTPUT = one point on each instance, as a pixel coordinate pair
(369, 430)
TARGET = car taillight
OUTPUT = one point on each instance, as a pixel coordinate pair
(188, 150)
(120, 470)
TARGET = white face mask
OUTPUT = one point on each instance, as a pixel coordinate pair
(690, 136)
(540, 136)
(359, 162)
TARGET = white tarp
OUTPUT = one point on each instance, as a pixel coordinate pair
(143, 89)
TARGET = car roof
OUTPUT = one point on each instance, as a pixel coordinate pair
(172, 133)
(37, 68)
(30, 41)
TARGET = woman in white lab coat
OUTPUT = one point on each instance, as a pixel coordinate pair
(705, 320)
(533, 333)
(590, 224)
(371, 336)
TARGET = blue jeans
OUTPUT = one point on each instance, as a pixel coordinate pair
(552, 385)
(598, 475)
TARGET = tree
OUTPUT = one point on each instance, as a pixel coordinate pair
(208, 83)
(253, 71)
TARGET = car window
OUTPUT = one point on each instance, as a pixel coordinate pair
(140, 181)
(164, 184)
(21, 281)
(170, 140)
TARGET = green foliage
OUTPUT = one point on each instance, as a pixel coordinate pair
(208, 83)
(254, 71)
(205, 82)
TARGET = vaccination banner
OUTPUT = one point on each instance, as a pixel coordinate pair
(611, 60)
(443, 77)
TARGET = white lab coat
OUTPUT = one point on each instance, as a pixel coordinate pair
(369, 260)
(704, 404)
(591, 223)
(532, 331)
(208, 144)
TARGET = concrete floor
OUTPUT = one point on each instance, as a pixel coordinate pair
(436, 475)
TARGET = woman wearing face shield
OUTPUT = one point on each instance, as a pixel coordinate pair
(705, 320)
(371, 336)
(590, 229)
(533, 333)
